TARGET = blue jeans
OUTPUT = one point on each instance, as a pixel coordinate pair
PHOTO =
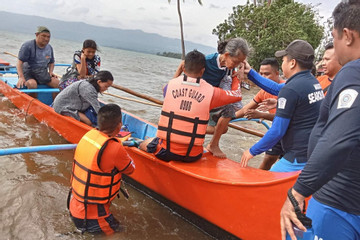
(333, 224)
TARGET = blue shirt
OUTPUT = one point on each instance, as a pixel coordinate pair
(298, 106)
(299, 100)
(214, 73)
(333, 169)
(35, 57)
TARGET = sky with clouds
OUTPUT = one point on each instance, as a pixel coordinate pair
(153, 16)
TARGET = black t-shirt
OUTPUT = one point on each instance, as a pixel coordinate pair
(333, 169)
(299, 100)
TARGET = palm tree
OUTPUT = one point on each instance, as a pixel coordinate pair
(181, 27)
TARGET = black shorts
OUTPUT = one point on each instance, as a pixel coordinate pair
(276, 150)
(41, 75)
(168, 156)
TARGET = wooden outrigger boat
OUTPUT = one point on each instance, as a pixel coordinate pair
(219, 196)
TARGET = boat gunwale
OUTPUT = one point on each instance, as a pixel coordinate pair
(172, 164)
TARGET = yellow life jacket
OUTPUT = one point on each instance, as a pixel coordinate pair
(89, 183)
(185, 112)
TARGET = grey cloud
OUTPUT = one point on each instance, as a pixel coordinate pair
(80, 11)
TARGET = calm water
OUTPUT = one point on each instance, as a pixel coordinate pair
(34, 186)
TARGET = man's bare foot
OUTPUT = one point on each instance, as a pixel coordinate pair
(216, 151)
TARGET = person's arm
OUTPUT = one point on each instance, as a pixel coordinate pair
(253, 114)
(339, 139)
(82, 66)
(21, 81)
(264, 83)
(267, 104)
(223, 97)
(180, 69)
(241, 113)
(51, 65)
(51, 69)
(124, 163)
(272, 136)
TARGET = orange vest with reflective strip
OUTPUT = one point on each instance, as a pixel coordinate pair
(185, 112)
(89, 183)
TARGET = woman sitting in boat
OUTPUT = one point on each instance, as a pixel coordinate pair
(86, 63)
(185, 113)
(80, 99)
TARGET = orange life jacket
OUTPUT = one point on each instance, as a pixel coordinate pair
(89, 183)
(185, 112)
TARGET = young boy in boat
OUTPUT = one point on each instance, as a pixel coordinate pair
(36, 61)
(99, 161)
(185, 113)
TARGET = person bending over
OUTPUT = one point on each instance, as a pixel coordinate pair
(80, 99)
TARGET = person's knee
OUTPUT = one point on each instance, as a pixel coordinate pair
(210, 129)
(31, 84)
(54, 83)
(225, 130)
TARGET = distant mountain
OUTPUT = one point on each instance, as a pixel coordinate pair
(133, 40)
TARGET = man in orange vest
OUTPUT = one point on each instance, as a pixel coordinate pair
(185, 113)
(100, 160)
(331, 67)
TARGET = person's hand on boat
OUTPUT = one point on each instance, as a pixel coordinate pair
(245, 158)
(267, 104)
(21, 82)
(288, 218)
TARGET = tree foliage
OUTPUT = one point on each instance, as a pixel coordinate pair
(271, 27)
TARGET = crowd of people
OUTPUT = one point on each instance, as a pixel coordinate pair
(314, 122)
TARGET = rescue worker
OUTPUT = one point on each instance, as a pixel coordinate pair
(99, 161)
(331, 67)
(185, 113)
(332, 172)
(269, 68)
(298, 107)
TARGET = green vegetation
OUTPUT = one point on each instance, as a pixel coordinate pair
(271, 27)
(170, 54)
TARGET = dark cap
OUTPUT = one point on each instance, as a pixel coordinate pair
(298, 49)
(42, 29)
